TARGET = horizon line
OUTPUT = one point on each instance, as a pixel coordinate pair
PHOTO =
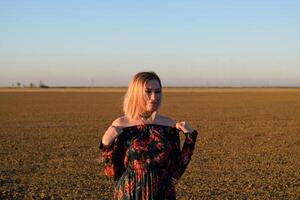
(95, 87)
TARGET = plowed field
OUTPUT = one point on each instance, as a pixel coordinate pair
(248, 147)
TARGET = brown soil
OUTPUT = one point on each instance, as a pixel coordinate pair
(248, 147)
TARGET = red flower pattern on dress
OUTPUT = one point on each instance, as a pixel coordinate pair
(148, 161)
(137, 165)
(109, 170)
(159, 146)
(144, 160)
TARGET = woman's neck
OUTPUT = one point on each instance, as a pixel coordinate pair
(147, 118)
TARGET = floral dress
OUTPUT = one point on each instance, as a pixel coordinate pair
(144, 160)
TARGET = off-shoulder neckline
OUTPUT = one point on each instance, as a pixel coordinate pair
(151, 124)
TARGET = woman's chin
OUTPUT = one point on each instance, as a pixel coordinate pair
(152, 109)
(149, 111)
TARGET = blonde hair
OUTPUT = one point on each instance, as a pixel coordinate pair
(134, 103)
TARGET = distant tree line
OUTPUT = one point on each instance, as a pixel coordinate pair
(41, 84)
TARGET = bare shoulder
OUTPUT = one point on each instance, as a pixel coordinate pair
(120, 121)
(167, 121)
(113, 131)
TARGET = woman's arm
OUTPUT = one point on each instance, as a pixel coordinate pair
(112, 132)
(181, 158)
(112, 149)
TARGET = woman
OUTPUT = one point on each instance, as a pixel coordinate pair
(141, 150)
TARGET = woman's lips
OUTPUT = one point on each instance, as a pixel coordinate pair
(152, 103)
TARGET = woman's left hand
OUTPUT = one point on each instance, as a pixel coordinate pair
(183, 126)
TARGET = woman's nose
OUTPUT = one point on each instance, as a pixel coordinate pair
(153, 96)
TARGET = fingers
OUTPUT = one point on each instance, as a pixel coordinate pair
(177, 125)
(180, 125)
(184, 126)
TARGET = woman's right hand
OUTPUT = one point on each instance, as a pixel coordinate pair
(111, 134)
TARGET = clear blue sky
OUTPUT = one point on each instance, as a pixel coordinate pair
(188, 43)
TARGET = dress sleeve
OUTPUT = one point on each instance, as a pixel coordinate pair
(112, 158)
(181, 158)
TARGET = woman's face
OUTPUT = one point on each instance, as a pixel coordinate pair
(153, 94)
